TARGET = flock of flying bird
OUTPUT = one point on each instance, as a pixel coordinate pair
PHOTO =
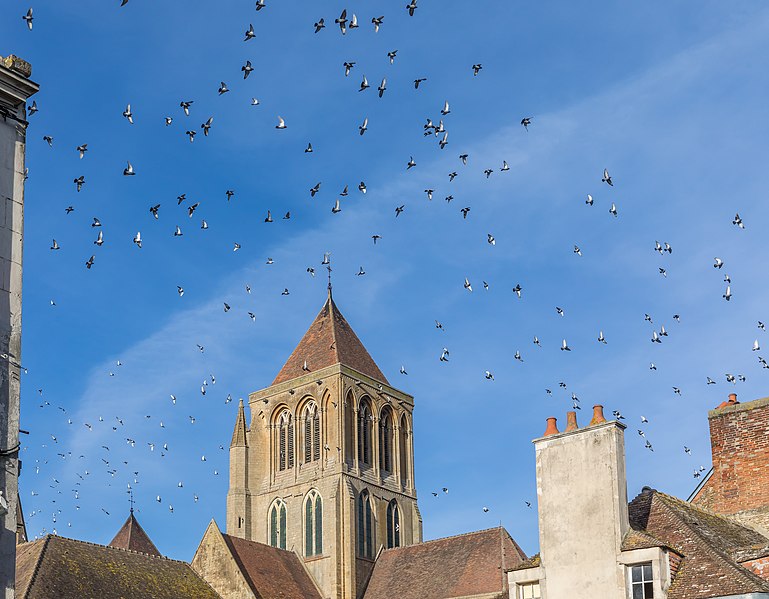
(435, 128)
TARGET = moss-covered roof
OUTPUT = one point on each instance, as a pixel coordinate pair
(61, 568)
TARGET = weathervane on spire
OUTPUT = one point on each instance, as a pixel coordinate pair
(327, 262)
(131, 500)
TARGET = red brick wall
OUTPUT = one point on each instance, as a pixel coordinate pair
(675, 562)
(758, 566)
(739, 437)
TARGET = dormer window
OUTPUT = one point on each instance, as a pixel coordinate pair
(529, 590)
(641, 581)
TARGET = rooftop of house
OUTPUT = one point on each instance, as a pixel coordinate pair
(714, 548)
(68, 569)
(271, 572)
(468, 565)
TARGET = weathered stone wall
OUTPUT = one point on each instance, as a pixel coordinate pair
(15, 88)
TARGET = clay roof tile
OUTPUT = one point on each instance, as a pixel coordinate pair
(329, 340)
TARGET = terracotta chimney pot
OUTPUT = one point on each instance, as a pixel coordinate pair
(551, 429)
(732, 401)
(598, 416)
(571, 422)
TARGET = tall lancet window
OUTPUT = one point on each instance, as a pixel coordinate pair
(393, 525)
(311, 433)
(365, 429)
(386, 441)
(365, 526)
(313, 524)
(285, 440)
(278, 524)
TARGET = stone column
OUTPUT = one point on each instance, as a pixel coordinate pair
(15, 88)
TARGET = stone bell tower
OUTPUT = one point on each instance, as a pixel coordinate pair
(326, 467)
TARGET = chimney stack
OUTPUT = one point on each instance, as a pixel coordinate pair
(739, 483)
(582, 504)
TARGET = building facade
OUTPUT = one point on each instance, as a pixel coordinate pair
(325, 465)
(15, 89)
(593, 543)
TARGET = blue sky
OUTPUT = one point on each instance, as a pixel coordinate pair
(671, 101)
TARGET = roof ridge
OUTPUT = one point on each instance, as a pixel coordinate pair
(694, 506)
(332, 307)
(163, 557)
(464, 534)
(744, 573)
(291, 551)
(38, 562)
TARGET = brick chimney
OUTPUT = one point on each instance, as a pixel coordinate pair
(739, 484)
(583, 511)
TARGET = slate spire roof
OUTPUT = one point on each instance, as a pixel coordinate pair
(132, 536)
(329, 340)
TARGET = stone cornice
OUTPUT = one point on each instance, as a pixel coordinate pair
(14, 87)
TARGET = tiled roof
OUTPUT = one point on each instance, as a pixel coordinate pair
(637, 539)
(329, 340)
(132, 536)
(68, 569)
(535, 561)
(463, 566)
(271, 573)
(708, 542)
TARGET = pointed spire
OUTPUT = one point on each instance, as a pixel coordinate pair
(239, 438)
(329, 340)
(131, 536)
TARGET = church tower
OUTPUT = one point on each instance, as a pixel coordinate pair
(326, 467)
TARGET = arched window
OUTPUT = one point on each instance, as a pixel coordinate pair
(404, 457)
(365, 526)
(365, 422)
(278, 524)
(386, 441)
(393, 525)
(349, 430)
(311, 433)
(313, 524)
(285, 440)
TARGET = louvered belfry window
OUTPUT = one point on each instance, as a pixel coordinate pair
(285, 441)
(403, 442)
(311, 433)
(365, 419)
(386, 442)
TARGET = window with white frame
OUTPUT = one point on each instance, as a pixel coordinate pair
(641, 581)
(529, 590)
